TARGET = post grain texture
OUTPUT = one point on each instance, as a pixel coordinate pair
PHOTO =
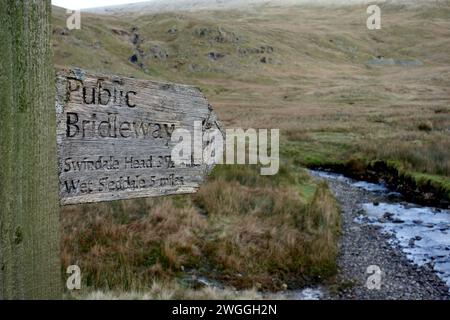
(114, 137)
(29, 208)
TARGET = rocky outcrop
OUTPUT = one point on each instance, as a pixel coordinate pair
(217, 35)
(159, 52)
(137, 57)
(257, 50)
(172, 30)
(215, 55)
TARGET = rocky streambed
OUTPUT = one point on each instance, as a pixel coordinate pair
(389, 248)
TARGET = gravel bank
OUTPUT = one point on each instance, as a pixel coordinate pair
(362, 246)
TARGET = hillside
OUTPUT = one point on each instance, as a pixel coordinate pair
(158, 6)
(342, 96)
(316, 73)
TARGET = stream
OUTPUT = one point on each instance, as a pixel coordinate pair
(421, 234)
(409, 244)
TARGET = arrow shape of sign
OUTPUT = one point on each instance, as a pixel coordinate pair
(114, 137)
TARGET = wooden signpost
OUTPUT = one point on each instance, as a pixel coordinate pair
(114, 137)
(30, 262)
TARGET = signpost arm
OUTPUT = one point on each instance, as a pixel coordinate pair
(29, 210)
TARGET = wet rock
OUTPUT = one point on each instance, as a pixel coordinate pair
(412, 241)
(135, 39)
(134, 58)
(139, 55)
(372, 246)
(388, 215)
(382, 220)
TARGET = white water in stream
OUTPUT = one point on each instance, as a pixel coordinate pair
(422, 233)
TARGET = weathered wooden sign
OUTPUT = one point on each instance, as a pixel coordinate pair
(114, 137)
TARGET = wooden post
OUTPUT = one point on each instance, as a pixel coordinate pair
(29, 210)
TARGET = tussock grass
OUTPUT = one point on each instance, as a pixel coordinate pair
(427, 153)
(245, 231)
(154, 240)
(172, 290)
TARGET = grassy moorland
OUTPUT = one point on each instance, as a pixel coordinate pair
(342, 96)
(241, 229)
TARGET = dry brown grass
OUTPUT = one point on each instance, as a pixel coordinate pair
(260, 234)
(173, 290)
(124, 245)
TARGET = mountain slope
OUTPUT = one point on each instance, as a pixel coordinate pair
(336, 89)
(158, 6)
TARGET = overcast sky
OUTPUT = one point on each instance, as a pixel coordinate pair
(83, 4)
